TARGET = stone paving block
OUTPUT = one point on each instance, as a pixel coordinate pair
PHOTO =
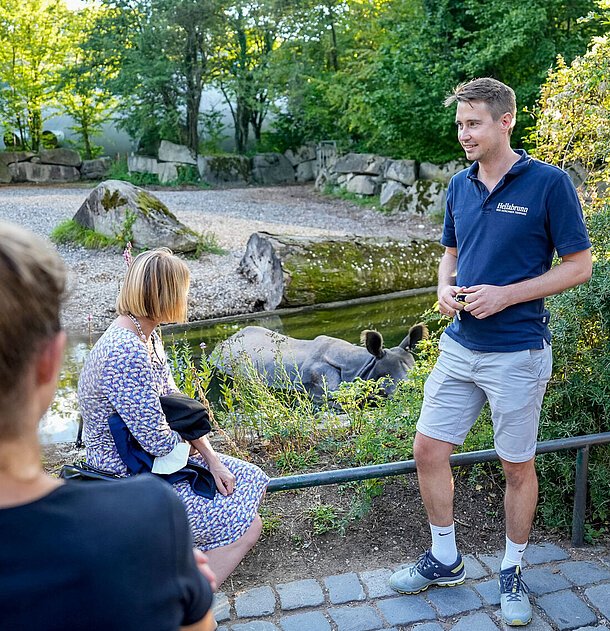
(475, 622)
(536, 624)
(259, 601)
(222, 628)
(600, 628)
(305, 593)
(343, 588)
(406, 610)
(543, 581)
(606, 559)
(492, 561)
(378, 583)
(453, 600)
(566, 610)
(544, 553)
(428, 626)
(255, 625)
(600, 597)
(312, 621)
(473, 568)
(490, 591)
(584, 572)
(221, 607)
(360, 618)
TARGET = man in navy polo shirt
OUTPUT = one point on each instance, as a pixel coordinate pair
(505, 217)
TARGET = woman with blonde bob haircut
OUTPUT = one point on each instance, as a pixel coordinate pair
(126, 373)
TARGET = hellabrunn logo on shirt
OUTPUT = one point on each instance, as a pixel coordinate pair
(513, 209)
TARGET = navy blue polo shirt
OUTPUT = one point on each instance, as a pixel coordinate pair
(507, 236)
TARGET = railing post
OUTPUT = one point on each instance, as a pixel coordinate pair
(580, 496)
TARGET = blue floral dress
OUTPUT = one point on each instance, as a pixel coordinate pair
(120, 375)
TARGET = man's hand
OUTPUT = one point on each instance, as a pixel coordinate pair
(447, 304)
(225, 480)
(485, 300)
(203, 566)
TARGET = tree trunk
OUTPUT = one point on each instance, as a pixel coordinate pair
(295, 271)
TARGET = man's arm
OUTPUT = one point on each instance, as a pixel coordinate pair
(485, 300)
(446, 288)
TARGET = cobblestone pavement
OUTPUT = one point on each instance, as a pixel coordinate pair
(566, 594)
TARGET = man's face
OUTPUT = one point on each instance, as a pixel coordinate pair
(481, 137)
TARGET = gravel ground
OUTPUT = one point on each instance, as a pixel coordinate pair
(232, 215)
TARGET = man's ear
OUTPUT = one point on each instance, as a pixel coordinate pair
(507, 121)
(49, 359)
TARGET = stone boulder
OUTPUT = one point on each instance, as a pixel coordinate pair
(441, 172)
(171, 152)
(5, 174)
(96, 169)
(272, 168)
(361, 163)
(577, 172)
(324, 178)
(222, 170)
(403, 171)
(306, 171)
(42, 173)
(116, 208)
(393, 195)
(425, 198)
(167, 171)
(9, 157)
(63, 156)
(306, 153)
(141, 164)
(363, 185)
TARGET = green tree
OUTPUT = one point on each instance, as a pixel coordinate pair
(83, 84)
(35, 37)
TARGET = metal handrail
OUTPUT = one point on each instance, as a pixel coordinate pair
(581, 443)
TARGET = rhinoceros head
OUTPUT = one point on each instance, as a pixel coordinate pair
(392, 364)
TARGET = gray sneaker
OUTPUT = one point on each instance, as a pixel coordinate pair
(515, 603)
(427, 571)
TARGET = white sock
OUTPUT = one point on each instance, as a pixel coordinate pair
(513, 555)
(443, 544)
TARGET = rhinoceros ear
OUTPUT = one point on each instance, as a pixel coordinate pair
(373, 342)
(416, 334)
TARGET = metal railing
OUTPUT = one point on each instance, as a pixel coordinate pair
(580, 443)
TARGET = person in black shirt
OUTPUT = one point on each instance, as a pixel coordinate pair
(99, 556)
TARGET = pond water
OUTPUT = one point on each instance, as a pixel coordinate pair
(391, 317)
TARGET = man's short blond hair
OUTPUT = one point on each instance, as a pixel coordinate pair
(155, 287)
(499, 97)
(32, 285)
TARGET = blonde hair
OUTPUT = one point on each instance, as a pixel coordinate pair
(32, 278)
(155, 287)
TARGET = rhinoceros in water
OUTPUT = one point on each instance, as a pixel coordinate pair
(323, 361)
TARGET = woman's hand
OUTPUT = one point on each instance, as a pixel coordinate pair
(225, 480)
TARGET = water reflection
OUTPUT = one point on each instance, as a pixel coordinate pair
(392, 318)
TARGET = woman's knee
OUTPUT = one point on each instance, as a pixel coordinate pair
(251, 536)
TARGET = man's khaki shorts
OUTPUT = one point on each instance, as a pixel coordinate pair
(462, 380)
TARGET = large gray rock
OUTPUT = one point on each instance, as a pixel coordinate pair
(224, 170)
(9, 157)
(393, 195)
(441, 172)
(63, 156)
(5, 174)
(577, 172)
(272, 168)
(141, 164)
(425, 198)
(403, 171)
(117, 208)
(363, 185)
(306, 153)
(362, 163)
(306, 171)
(42, 173)
(96, 169)
(171, 152)
(167, 171)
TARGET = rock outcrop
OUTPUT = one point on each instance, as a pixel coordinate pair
(119, 209)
